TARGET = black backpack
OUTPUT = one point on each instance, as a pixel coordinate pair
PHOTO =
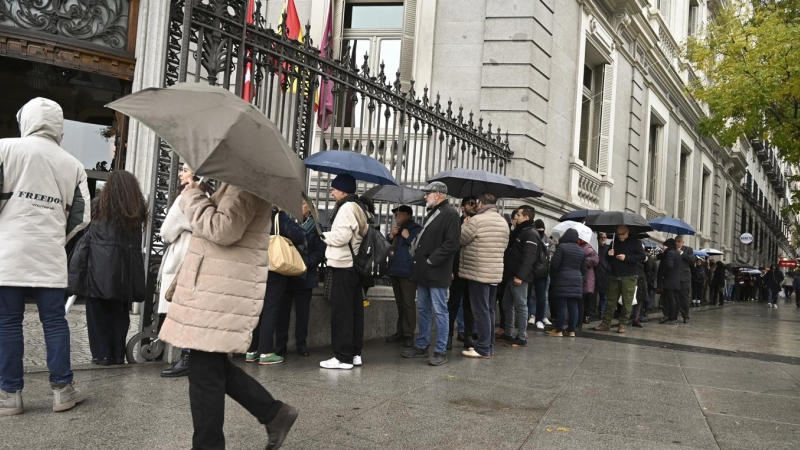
(373, 255)
(541, 268)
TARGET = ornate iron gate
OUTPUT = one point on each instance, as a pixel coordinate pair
(215, 41)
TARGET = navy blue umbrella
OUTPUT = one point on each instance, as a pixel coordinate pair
(474, 183)
(526, 189)
(580, 215)
(671, 225)
(360, 167)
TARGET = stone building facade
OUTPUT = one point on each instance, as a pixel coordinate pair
(592, 93)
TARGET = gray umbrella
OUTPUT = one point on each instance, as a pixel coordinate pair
(222, 137)
(396, 194)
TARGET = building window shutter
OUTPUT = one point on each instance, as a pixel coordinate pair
(407, 46)
(605, 127)
(586, 121)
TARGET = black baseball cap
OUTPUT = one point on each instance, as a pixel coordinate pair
(404, 208)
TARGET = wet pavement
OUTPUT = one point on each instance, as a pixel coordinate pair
(730, 380)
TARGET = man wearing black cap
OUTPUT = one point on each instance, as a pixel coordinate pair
(433, 251)
(405, 290)
(348, 226)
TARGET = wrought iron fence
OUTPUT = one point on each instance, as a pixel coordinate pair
(319, 103)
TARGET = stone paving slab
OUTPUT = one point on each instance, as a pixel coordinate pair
(581, 393)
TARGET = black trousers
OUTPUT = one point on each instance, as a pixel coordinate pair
(347, 316)
(107, 322)
(459, 291)
(585, 307)
(670, 300)
(683, 298)
(211, 376)
(697, 291)
(501, 290)
(264, 333)
(405, 294)
(301, 298)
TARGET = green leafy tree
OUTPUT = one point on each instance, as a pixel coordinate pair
(749, 54)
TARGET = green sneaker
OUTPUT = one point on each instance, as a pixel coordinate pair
(270, 358)
(250, 356)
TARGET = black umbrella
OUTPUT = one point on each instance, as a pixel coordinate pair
(463, 183)
(738, 265)
(396, 194)
(526, 189)
(608, 222)
(580, 215)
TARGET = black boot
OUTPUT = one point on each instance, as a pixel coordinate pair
(450, 343)
(180, 369)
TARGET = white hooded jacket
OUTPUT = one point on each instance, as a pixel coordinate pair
(44, 199)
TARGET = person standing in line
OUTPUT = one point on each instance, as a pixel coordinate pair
(773, 279)
(301, 287)
(669, 281)
(107, 269)
(44, 202)
(483, 242)
(229, 247)
(730, 285)
(687, 259)
(519, 260)
(176, 232)
(623, 260)
(500, 333)
(263, 348)
(592, 261)
(718, 284)
(699, 282)
(433, 251)
(459, 290)
(568, 269)
(349, 224)
(405, 290)
(601, 274)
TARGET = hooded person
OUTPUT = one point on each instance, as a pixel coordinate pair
(44, 202)
(568, 269)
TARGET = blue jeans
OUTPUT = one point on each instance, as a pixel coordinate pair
(602, 303)
(729, 292)
(432, 301)
(773, 295)
(572, 305)
(483, 297)
(51, 303)
(515, 300)
(537, 298)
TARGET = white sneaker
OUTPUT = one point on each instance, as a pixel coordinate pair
(539, 326)
(546, 322)
(532, 320)
(357, 360)
(334, 363)
(775, 306)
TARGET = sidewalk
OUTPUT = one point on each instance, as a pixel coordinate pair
(600, 390)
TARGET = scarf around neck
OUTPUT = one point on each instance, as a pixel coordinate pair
(348, 198)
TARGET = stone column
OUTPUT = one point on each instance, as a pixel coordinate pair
(151, 47)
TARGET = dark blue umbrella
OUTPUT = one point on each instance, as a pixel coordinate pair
(671, 225)
(580, 215)
(360, 167)
(473, 183)
(526, 189)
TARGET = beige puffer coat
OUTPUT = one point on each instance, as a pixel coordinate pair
(484, 238)
(221, 283)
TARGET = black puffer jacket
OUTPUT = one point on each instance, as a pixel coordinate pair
(568, 267)
(108, 265)
(522, 251)
(601, 270)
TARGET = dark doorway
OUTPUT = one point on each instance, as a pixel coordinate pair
(92, 132)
